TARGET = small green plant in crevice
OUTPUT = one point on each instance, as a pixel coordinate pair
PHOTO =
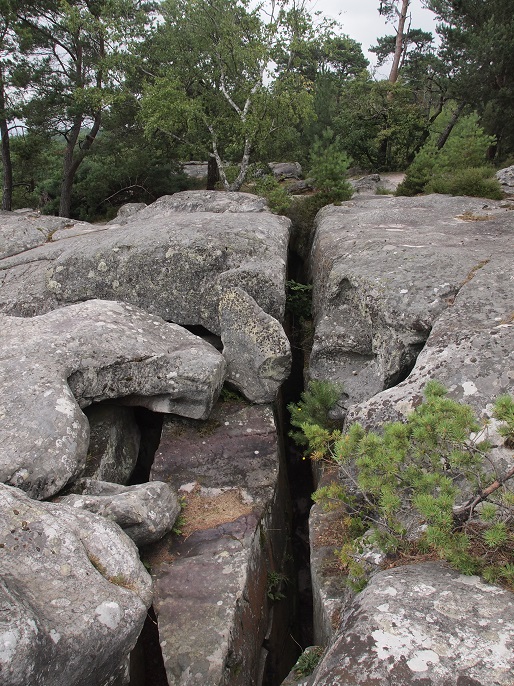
(180, 521)
(504, 411)
(313, 410)
(308, 661)
(421, 488)
(299, 299)
(275, 586)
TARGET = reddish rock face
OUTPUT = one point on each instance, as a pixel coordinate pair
(214, 585)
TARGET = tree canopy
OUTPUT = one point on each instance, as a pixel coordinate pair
(124, 91)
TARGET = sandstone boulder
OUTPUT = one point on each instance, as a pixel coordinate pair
(174, 259)
(218, 202)
(386, 269)
(73, 594)
(506, 179)
(427, 625)
(55, 364)
(20, 232)
(145, 511)
(286, 170)
(255, 347)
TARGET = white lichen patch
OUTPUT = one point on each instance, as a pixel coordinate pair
(8, 644)
(423, 660)
(65, 406)
(469, 388)
(109, 614)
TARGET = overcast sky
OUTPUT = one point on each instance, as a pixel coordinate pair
(362, 22)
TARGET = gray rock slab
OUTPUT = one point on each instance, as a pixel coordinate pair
(114, 440)
(202, 201)
(255, 346)
(212, 583)
(175, 264)
(20, 232)
(145, 512)
(73, 594)
(386, 269)
(424, 625)
(55, 364)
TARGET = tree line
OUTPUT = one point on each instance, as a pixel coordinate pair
(101, 100)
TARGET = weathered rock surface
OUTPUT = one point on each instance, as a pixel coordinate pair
(424, 625)
(114, 440)
(20, 232)
(212, 585)
(145, 511)
(55, 364)
(255, 347)
(286, 170)
(201, 201)
(174, 258)
(386, 269)
(73, 595)
(506, 179)
(330, 591)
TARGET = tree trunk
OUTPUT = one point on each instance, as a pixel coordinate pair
(398, 49)
(446, 133)
(213, 175)
(6, 152)
(73, 161)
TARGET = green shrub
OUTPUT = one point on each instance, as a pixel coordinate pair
(458, 168)
(329, 167)
(299, 299)
(432, 465)
(279, 201)
(474, 181)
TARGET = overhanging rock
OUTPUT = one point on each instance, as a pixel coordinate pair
(54, 364)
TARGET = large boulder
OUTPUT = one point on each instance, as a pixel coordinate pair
(219, 202)
(255, 347)
(386, 269)
(174, 259)
(73, 594)
(146, 512)
(220, 588)
(55, 364)
(424, 625)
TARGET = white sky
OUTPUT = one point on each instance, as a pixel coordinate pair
(362, 22)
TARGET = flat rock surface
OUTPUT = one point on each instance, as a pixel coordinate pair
(174, 259)
(424, 625)
(385, 270)
(73, 594)
(55, 364)
(211, 583)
